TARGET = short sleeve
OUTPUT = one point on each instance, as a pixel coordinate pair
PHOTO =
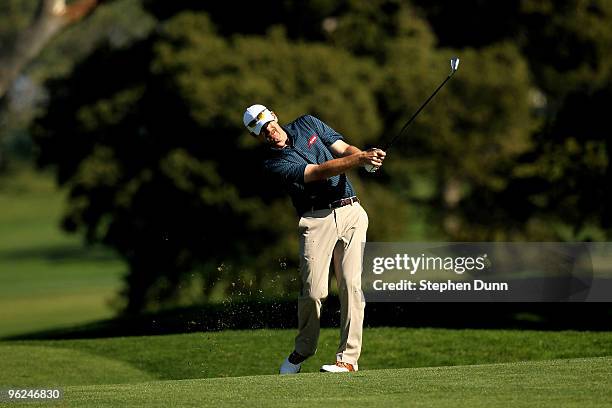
(328, 135)
(288, 172)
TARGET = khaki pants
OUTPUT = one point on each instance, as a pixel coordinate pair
(338, 233)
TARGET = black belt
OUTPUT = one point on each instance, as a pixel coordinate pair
(337, 204)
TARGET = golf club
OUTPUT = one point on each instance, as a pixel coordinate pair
(454, 63)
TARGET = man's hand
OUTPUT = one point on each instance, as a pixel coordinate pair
(373, 159)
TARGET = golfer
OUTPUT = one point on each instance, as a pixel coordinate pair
(308, 159)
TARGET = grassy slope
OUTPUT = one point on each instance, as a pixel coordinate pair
(257, 352)
(47, 278)
(568, 383)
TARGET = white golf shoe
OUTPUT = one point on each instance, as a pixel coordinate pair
(339, 367)
(289, 368)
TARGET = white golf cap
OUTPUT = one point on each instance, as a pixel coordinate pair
(255, 117)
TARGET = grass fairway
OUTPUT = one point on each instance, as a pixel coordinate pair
(260, 352)
(48, 279)
(567, 383)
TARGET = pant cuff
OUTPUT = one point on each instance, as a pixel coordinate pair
(345, 359)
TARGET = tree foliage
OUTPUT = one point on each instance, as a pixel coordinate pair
(158, 163)
(160, 168)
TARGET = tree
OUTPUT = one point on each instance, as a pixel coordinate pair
(51, 17)
(118, 22)
(553, 189)
(468, 139)
(158, 163)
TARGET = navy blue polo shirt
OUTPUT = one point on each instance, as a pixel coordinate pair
(310, 139)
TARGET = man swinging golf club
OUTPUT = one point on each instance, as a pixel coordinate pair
(308, 159)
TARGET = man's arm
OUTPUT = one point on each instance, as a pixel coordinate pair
(341, 149)
(351, 157)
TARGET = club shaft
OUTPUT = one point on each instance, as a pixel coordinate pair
(388, 145)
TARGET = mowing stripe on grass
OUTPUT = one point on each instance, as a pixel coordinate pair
(32, 366)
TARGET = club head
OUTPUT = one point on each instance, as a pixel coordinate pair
(454, 64)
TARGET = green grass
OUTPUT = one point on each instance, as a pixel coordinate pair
(568, 383)
(64, 366)
(48, 279)
(260, 352)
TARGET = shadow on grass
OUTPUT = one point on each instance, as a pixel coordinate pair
(282, 313)
(59, 253)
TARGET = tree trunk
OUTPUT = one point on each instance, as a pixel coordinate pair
(51, 17)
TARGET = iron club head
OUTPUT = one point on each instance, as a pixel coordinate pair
(454, 63)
